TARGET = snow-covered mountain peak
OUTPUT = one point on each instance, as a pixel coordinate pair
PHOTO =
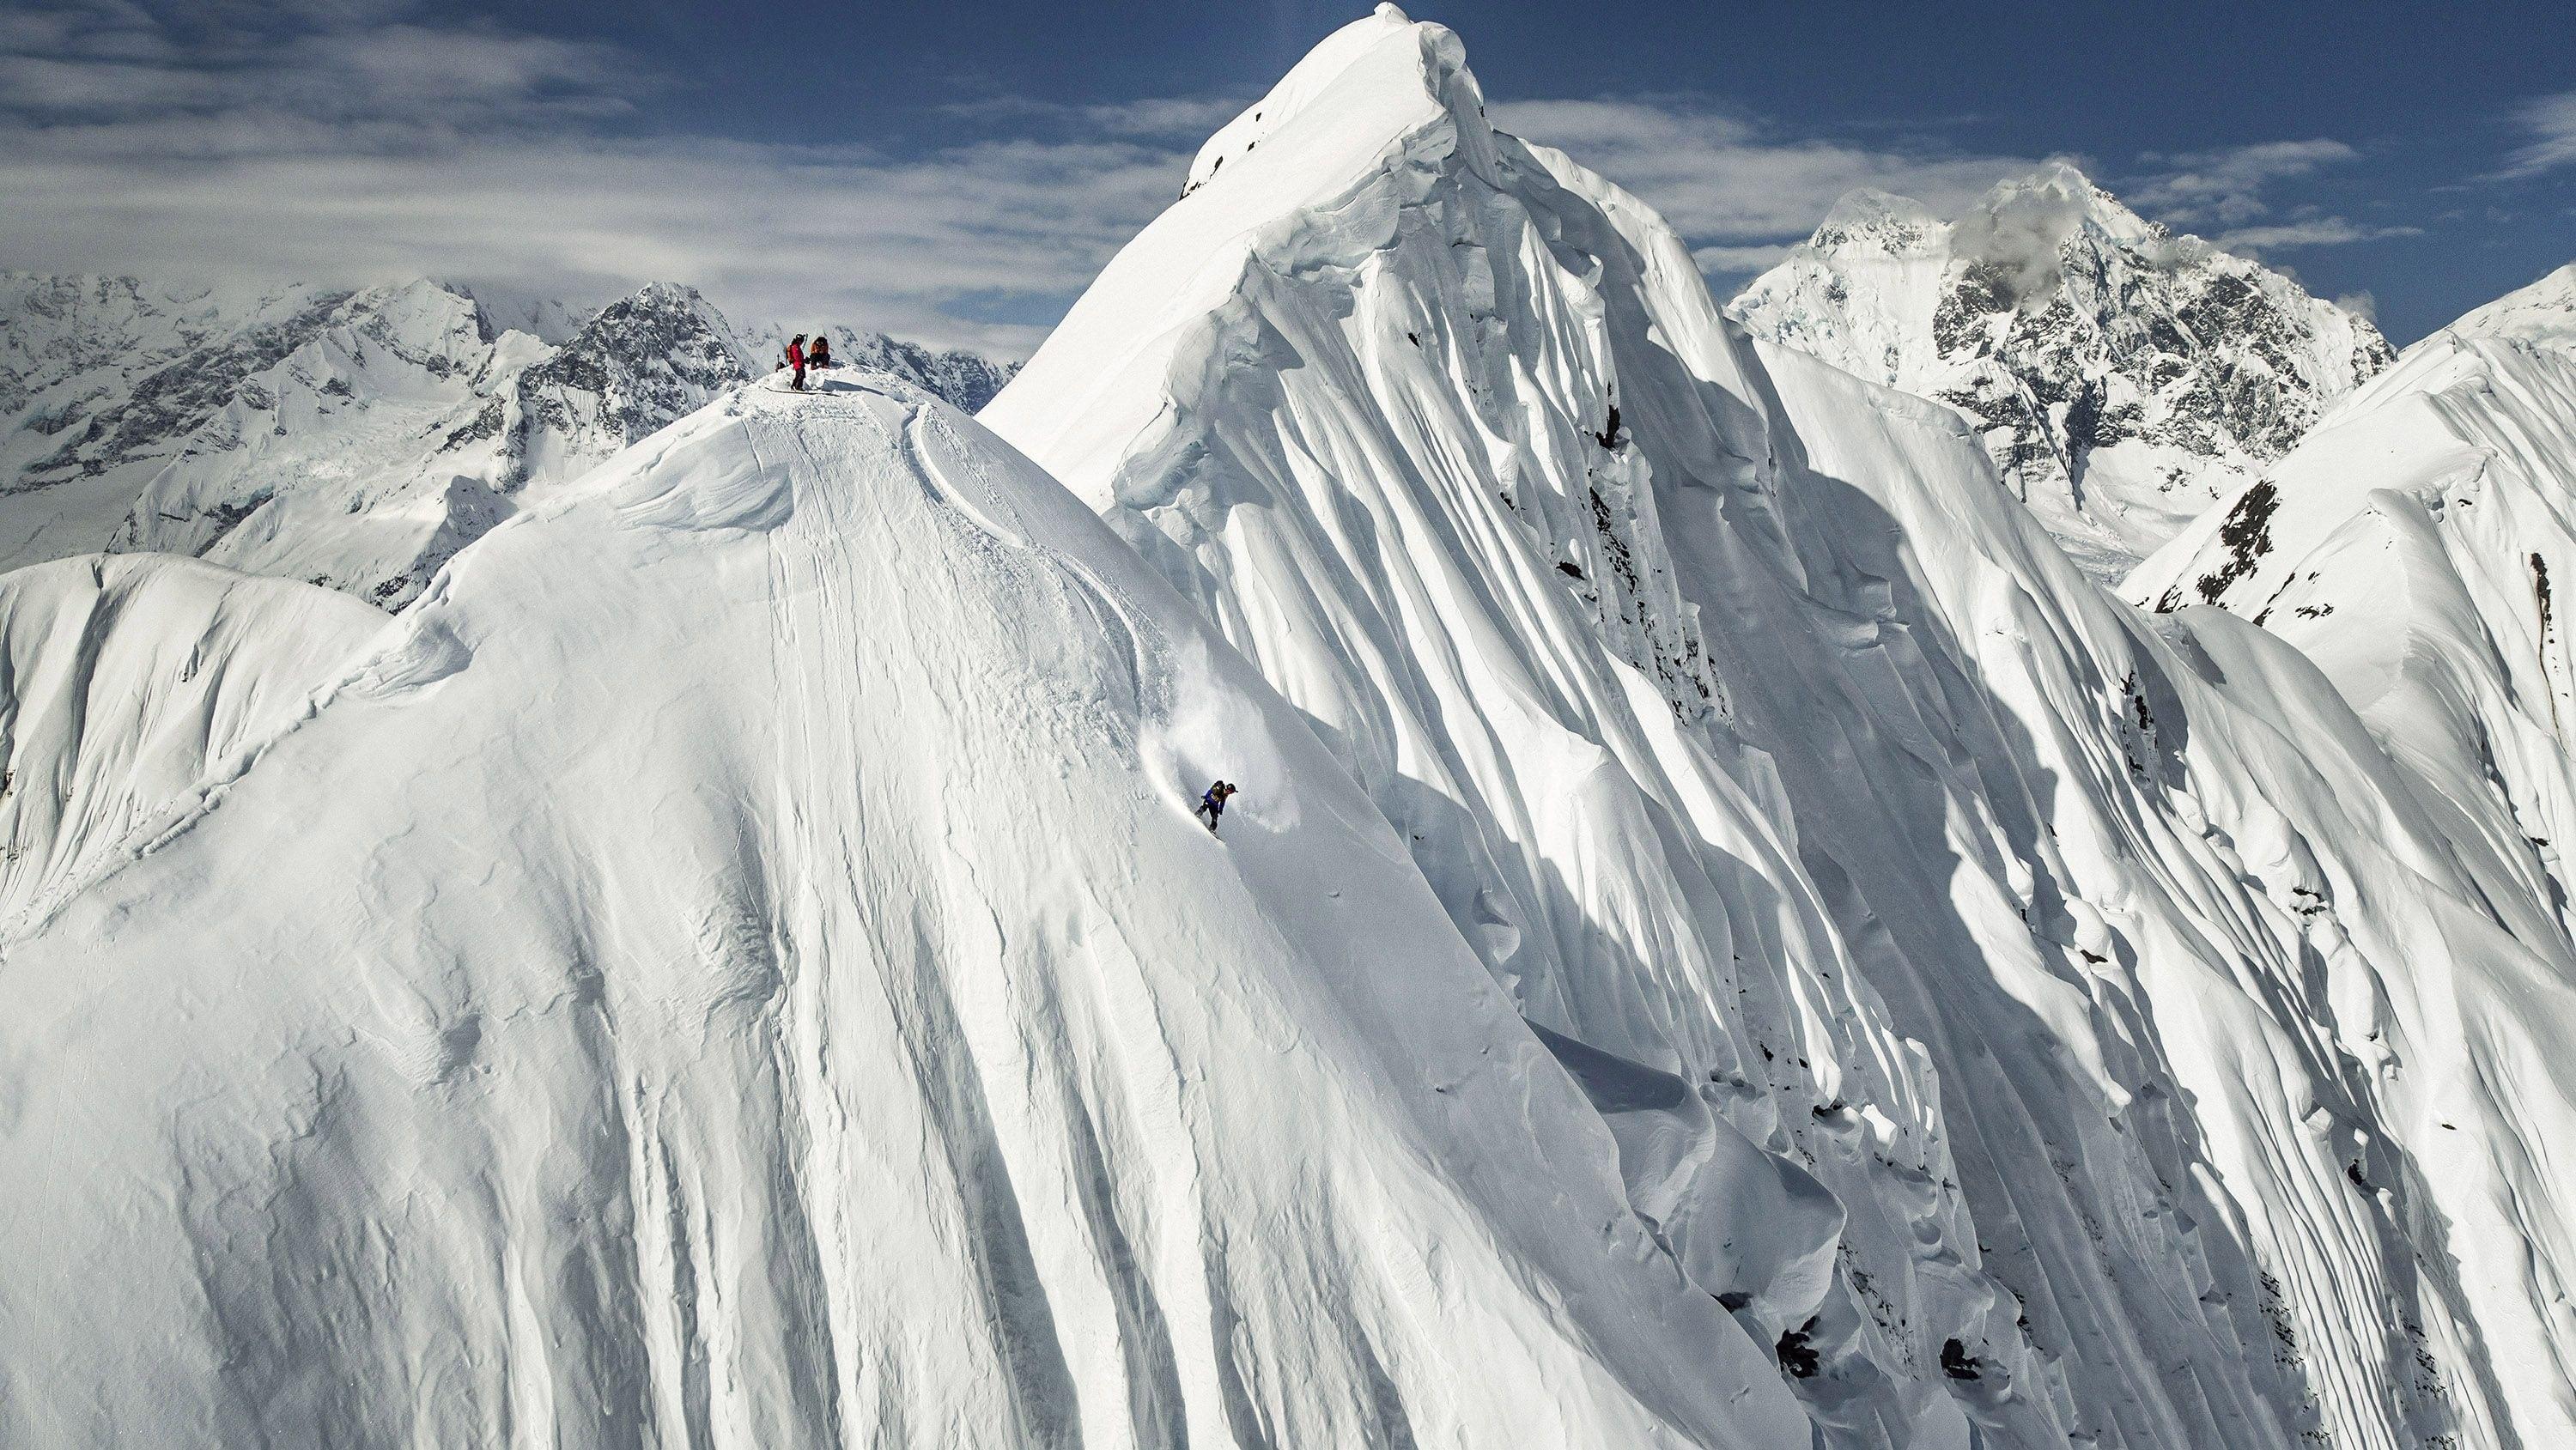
(1868, 221)
(2060, 189)
(1382, 76)
(2543, 314)
(651, 979)
(355, 439)
(2122, 377)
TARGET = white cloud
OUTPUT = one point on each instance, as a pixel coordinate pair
(2323, 231)
(1722, 179)
(1739, 261)
(2551, 123)
(340, 144)
(2226, 186)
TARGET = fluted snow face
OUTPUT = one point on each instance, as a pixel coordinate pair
(2020, 1016)
(2123, 378)
(688, 979)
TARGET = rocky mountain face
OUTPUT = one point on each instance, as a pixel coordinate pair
(350, 439)
(2122, 377)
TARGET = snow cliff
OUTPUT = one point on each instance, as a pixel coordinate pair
(689, 980)
(2167, 1071)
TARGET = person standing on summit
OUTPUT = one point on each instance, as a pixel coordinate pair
(796, 362)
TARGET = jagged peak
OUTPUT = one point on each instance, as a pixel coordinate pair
(670, 301)
(1868, 219)
(1384, 73)
(2060, 200)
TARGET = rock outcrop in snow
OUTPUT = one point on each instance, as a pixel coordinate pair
(2024, 1018)
(2122, 377)
(2416, 547)
(355, 440)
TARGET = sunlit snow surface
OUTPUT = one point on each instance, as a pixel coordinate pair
(736, 960)
(2115, 984)
(1728, 937)
(2121, 376)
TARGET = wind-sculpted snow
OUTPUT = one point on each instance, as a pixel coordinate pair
(2122, 377)
(129, 689)
(2542, 314)
(2109, 1040)
(734, 964)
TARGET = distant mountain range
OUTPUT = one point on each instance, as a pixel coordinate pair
(2121, 376)
(355, 439)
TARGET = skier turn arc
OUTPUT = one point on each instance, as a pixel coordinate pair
(1212, 803)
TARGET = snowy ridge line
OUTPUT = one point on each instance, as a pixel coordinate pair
(769, 940)
(129, 597)
(2130, 1130)
(352, 439)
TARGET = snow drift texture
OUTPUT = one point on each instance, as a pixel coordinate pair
(647, 995)
(2121, 377)
(2175, 1078)
(1729, 938)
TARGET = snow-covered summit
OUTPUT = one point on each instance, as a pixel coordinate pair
(1867, 220)
(2543, 314)
(355, 439)
(693, 979)
(2015, 1013)
(2123, 377)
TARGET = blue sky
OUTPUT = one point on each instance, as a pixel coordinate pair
(957, 172)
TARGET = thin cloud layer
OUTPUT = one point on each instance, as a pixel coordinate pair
(2227, 186)
(1735, 190)
(363, 142)
(2551, 123)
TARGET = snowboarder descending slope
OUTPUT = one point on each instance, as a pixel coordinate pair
(1212, 804)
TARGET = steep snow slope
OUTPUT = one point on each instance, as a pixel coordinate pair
(734, 965)
(2122, 377)
(2415, 547)
(2542, 314)
(126, 682)
(2137, 1060)
(353, 440)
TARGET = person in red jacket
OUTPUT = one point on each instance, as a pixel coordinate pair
(796, 362)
